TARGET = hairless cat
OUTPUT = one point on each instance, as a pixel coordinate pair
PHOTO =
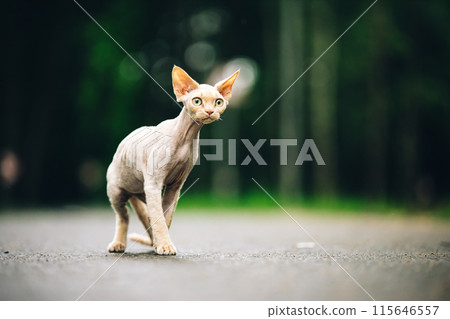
(155, 157)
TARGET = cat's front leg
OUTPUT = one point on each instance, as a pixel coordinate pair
(169, 202)
(161, 238)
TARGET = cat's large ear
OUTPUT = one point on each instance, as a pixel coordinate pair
(224, 87)
(182, 82)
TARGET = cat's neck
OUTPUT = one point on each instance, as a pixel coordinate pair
(186, 128)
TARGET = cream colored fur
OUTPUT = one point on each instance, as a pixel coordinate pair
(151, 158)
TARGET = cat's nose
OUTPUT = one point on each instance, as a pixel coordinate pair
(209, 112)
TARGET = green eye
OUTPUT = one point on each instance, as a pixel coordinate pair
(197, 101)
(219, 102)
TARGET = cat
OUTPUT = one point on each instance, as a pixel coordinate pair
(162, 156)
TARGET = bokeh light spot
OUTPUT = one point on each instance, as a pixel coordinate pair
(200, 56)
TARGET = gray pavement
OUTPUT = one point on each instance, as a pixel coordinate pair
(240, 256)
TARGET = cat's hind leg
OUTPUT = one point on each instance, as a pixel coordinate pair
(141, 211)
(118, 199)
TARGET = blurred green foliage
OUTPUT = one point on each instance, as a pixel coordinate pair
(377, 104)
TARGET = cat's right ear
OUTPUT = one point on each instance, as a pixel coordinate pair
(182, 82)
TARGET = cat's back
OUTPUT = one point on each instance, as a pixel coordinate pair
(141, 141)
(133, 139)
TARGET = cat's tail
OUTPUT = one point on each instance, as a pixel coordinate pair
(141, 239)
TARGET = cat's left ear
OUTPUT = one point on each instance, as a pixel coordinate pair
(182, 82)
(224, 87)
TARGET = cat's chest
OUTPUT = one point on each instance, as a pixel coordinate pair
(182, 154)
(180, 165)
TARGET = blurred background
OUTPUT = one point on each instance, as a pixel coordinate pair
(376, 104)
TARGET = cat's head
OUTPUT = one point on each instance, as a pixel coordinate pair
(203, 102)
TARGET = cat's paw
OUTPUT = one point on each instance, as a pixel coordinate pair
(116, 247)
(166, 249)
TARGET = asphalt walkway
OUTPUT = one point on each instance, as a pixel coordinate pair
(57, 256)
